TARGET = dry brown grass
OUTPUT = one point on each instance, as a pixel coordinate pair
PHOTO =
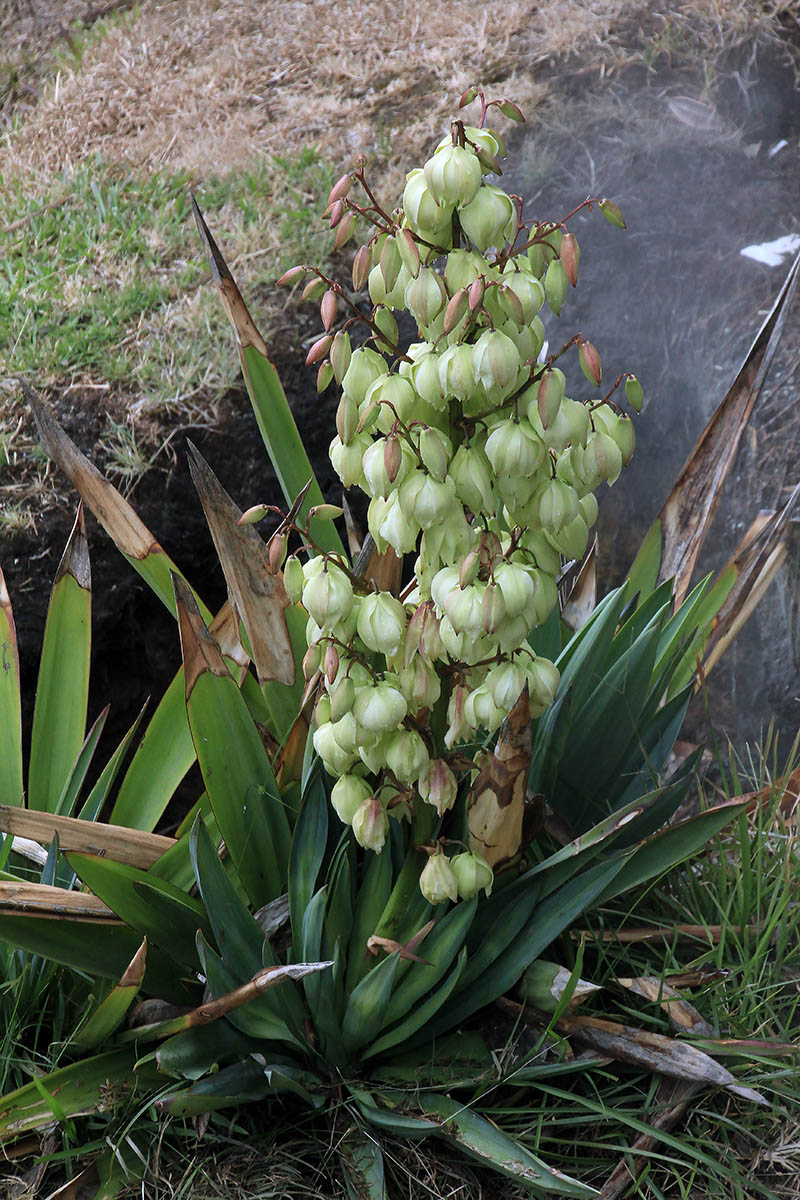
(208, 84)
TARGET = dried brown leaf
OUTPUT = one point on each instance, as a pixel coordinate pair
(257, 592)
(496, 803)
(690, 507)
(116, 842)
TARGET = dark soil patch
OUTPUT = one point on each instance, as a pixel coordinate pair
(135, 646)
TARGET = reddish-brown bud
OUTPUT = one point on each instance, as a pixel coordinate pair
(337, 212)
(277, 552)
(290, 276)
(467, 97)
(311, 661)
(469, 569)
(361, 264)
(392, 457)
(511, 304)
(590, 363)
(570, 256)
(327, 308)
(339, 189)
(345, 230)
(409, 252)
(319, 349)
(331, 662)
(455, 310)
(493, 608)
(476, 293)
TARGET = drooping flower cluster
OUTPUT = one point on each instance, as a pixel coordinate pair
(474, 459)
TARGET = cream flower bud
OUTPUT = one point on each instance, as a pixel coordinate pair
(544, 679)
(425, 500)
(455, 373)
(443, 583)
(365, 367)
(435, 451)
(419, 684)
(347, 460)
(505, 682)
(381, 622)
(422, 636)
(406, 756)
(425, 296)
(379, 293)
(380, 708)
(345, 733)
(464, 610)
(486, 139)
(426, 381)
(569, 426)
(437, 785)
(513, 449)
(572, 540)
(293, 578)
(558, 505)
(545, 596)
(517, 586)
(374, 466)
(602, 459)
(489, 219)
(347, 796)
(342, 696)
(527, 289)
(395, 528)
(493, 608)
(371, 825)
(373, 754)
(328, 596)
(546, 557)
(458, 728)
(463, 268)
(335, 760)
(437, 881)
(422, 210)
(396, 398)
(472, 873)
(376, 514)
(481, 710)
(588, 509)
(453, 175)
(495, 363)
(471, 474)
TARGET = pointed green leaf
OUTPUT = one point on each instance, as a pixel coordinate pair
(483, 1141)
(62, 691)
(10, 706)
(238, 936)
(236, 770)
(112, 1010)
(164, 755)
(272, 412)
(156, 909)
(308, 851)
(367, 1004)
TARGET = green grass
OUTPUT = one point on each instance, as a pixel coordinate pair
(748, 883)
(102, 279)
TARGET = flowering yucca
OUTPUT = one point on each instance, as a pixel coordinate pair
(474, 459)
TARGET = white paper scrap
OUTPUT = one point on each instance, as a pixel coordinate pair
(773, 253)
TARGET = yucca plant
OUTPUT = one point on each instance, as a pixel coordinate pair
(309, 931)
